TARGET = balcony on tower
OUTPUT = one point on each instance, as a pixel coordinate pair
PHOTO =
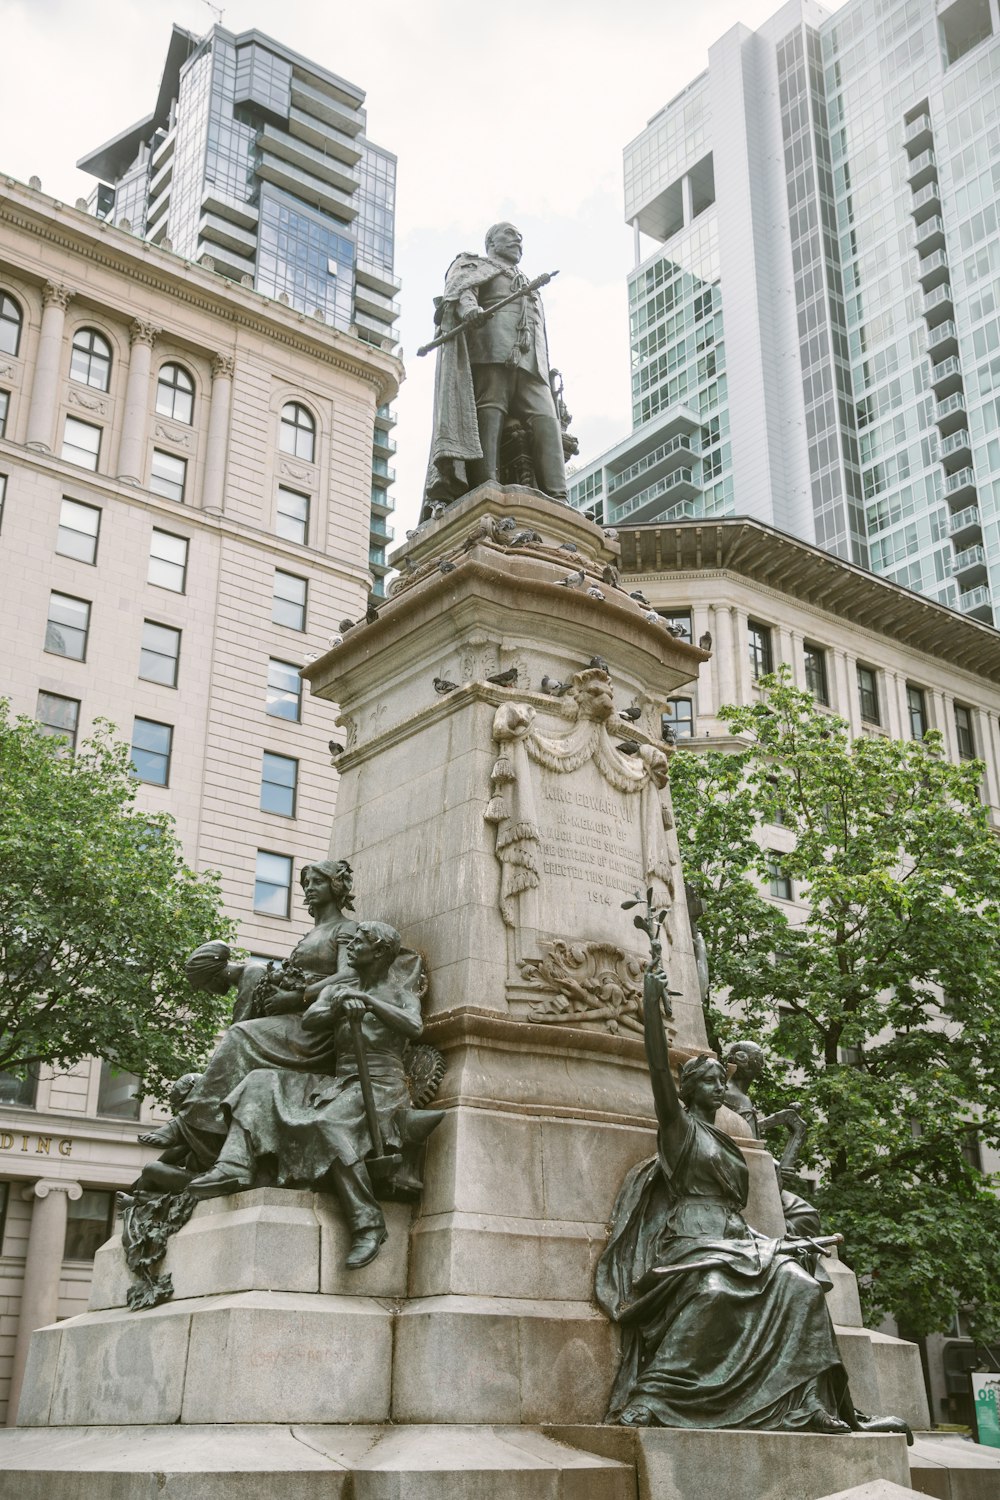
(965, 527)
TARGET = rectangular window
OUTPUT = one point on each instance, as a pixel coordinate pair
(292, 520)
(780, 884)
(679, 620)
(18, 1091)
(272, 890)
(963, 732)
(288, 606)
(761, 656)
(278, 784)
(167, 475)
(116, 1093)
(4, 408)
(89, 1222)
(59, 717)
(3, 495)
(67, 626)
(151, 747)
(916, 707)
(81, 443)
(168, 556)
(868, 694)
(677, 723)
(79, 526)
(284, 690)
(816, 678)
(160, 653)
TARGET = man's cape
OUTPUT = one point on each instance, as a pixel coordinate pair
(455, 434)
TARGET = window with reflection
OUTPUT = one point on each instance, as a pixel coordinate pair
(272, 892)
(10, 325)
(151, 749)
(284, 690)
(677, 722)
(90, 360)
(160, 653)
(79, 527)
(67, 626)
(116, 1093)
(868, 694)
(278, 784)
(816, 678)
(779, 881)
(761, 654)
(168, 475)
(59, 717)
(175, 394)
(89, 1222)
(4, 409)
(81, 443)
(963, 732)
(298, 432)
(916, 707)
(18, 1090)
(288, 605)
(292, 519)
(168, 557)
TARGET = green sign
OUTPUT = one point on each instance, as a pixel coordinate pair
(986, 1396)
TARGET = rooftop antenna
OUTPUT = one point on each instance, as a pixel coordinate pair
(216, 10)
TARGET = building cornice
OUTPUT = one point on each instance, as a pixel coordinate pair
(760, 554)
(138, 260)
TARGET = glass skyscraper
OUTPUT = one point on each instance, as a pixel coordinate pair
(259, 160)
(815, 334)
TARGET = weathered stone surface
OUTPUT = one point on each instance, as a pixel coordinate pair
(486, 1255)
(500, 1360)
(859, 1361)
(385, 1276)
(950, 1467)
(121, 1367)
(170, 1463)
(40, 1376)
(684, 1464)
(289, 1357)
(878, 1489)
(843, 1301)
(900, 1379)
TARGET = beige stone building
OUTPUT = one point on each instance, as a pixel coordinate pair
(887, 660)
(185, 482)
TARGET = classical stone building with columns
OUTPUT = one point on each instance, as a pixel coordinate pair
(185, 487)
(887, 660)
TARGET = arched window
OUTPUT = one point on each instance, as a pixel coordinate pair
(91, 361)
(298, 432)
(10, 324)
(175, 394)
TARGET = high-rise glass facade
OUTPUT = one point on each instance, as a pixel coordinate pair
(259, 160)
(827, 191)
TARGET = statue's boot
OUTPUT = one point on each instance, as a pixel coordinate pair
(234, 1171)
(362, 1211)
(547, 457)
(491, 420)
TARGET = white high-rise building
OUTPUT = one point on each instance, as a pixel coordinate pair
(815, 305)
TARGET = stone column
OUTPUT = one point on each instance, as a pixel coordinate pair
(945, 719)
(798, 658)
(701, 620)
(981, 728)
(844, 697)
(897, 720)
(132, 451)
(786, 650)
(213, 491)
(45, 385)
(42, 1269)
(722, 655)
(741, 656)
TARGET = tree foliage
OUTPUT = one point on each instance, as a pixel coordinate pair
(97, 913)
(878, 1000)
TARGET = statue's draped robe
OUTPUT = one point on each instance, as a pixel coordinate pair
(304, 1122)
(280, 1042)
(745, 1342)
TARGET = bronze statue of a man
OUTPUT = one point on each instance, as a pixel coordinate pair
(496, 370)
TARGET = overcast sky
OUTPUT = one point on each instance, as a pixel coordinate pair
(517, 110)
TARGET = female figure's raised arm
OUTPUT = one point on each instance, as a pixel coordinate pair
(668, 1106)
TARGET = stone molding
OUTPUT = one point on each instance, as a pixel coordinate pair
(46, 1185)
(223, 367)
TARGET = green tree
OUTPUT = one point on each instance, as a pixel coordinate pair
(878, 1002)
(97, 913)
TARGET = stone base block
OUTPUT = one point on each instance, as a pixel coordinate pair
(249, 1357)
(486, 1255)
(304, 1463)
(495, 1359)
(843, 1302)
(901, 1380)
(679, 1464)
(878, 1489)
(268, 1239)
(954, 1468)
